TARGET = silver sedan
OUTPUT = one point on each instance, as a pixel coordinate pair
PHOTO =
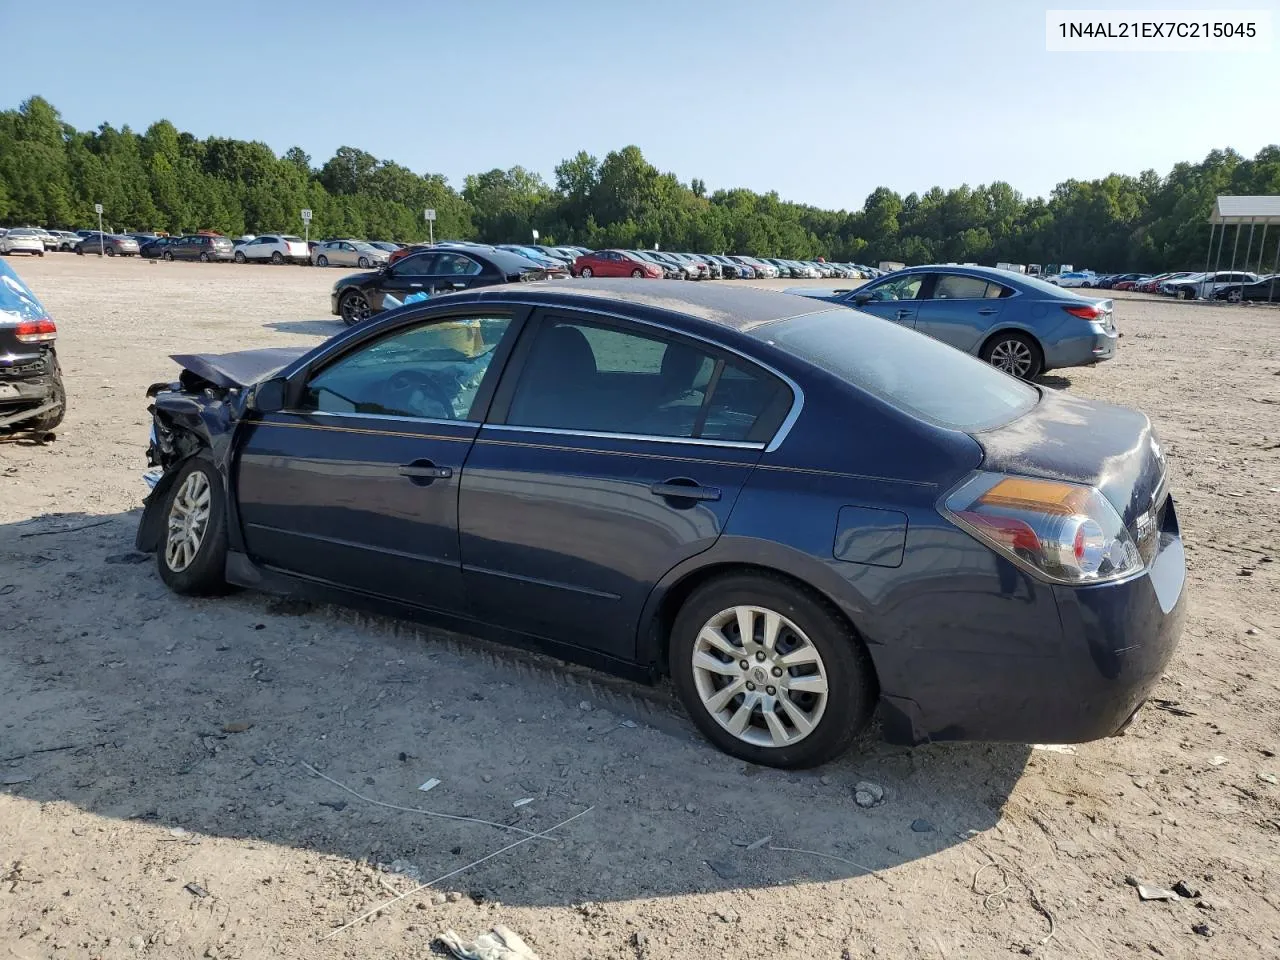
(348, 253)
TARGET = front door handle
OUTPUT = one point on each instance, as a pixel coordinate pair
(682, 488)
(987, 311)
(423, 472)
(902, 315)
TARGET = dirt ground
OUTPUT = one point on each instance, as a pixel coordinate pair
(156, 753)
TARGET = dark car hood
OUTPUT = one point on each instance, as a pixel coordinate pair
(238, 369)
(358, 279)
(1083, 441)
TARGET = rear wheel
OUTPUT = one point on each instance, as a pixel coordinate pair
(48, 422)
(770, 673)
(277, 257)
(168, 255)
(322, 261)
(585, 272)
(193, 549)
(1015, 354)
(354, 307)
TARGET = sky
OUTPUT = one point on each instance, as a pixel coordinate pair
(822, 102)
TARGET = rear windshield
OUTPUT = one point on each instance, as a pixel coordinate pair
(17, 302)
(915, 373)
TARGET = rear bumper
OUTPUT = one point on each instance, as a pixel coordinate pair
(1081, 351)
(1116, 640)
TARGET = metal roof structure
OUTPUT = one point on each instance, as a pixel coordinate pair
(1237, 210)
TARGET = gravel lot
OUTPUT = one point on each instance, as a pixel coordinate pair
(156, 798)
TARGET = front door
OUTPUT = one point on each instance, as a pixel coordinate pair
(414, 274)
(895, 299)
(961, 310)
(614, 452)
(357, 485)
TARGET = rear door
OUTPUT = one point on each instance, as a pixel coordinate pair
(614, 452)
(357, 484)
(455, 271)
(960, 310)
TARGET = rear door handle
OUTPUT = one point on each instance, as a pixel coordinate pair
(681, 488)
(423, 472)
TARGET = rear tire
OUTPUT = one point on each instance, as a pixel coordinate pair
(277, 257)
(168, 255)
(1014, 353)
(192, 553)
(322, 261)
(838, 677)
(48, 422)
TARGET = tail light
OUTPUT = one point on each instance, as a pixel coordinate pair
(1086, 311)
(1063, 532)
(36, 331)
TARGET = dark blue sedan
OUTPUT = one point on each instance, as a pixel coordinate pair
(798, 512)
(1019, 324)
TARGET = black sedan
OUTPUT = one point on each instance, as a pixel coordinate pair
(655, 485)
(1265, 289)
(432, 271)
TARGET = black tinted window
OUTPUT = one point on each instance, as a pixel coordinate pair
(917, 374)
(419, 265)
(581, 376)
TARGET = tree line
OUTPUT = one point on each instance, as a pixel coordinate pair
(162, 179)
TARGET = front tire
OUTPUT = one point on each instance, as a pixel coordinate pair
(769, 672)
(1014, 353)
(204, 258)
(111, 251)
(637, 274)
(363, 263)
(239, 257)
(585, 272)
(192, 553)
(354, 308)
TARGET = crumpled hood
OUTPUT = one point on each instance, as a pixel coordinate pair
(240, 369)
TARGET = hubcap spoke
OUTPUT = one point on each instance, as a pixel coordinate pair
(726, 693)
(772, 626)
(713, 637)
(705, 661)
(798, 658)
(796, 715)
(746, 625)
(813, 684)
(742, 716)
(777, 730)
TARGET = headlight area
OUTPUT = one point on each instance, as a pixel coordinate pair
(1062, 532)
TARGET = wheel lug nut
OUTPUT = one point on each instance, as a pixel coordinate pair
(771, 690)
(760, 655)
(745, 665)
(777, 671)
(750, 685)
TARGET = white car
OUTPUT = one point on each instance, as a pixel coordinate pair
(22, 240)
(1076, 278)
(348, 253)
(275, 247)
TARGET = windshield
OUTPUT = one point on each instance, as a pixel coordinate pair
(915, 373)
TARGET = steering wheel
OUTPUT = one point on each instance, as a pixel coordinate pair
(419, 392)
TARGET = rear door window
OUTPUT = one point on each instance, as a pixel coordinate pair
(953, 286)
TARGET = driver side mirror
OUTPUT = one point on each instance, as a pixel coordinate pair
(862, 298)
(269, 397)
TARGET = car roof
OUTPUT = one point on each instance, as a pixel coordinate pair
(737, 307)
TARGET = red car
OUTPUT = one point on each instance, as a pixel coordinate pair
(615, 263)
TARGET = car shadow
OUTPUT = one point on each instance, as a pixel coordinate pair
(1053, 381)
(267, 719)
(324, 328)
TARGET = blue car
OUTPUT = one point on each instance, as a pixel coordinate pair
(1020, 324)
(796, 511)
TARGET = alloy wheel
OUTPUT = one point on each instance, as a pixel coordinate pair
(759, 676)
(188, 521)
(1012, 356)
(355, 308)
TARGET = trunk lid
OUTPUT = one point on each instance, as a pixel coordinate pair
(1083, 441)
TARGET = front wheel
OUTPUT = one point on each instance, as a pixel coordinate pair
(204, 258)
(363, 263)
(111, 251)
(770, 673)
(637, 274)
(585, 272)
(1183, 293)
(193, 549)
(239, 257)
(1234, 296)
(1014, 353)
(354, 307)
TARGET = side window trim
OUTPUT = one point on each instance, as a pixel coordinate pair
(521, 349)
